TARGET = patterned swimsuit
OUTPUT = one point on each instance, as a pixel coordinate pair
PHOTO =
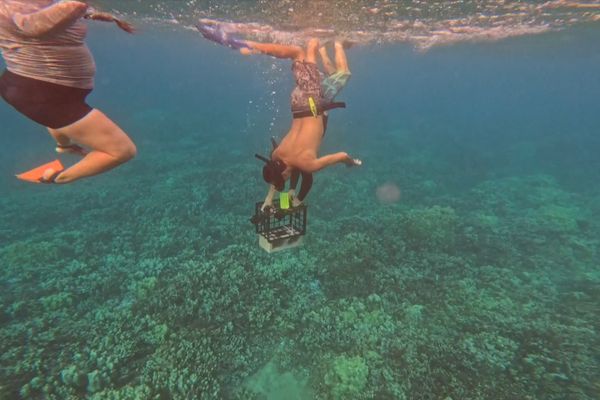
(308, 84)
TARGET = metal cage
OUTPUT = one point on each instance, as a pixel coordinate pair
(281, 224)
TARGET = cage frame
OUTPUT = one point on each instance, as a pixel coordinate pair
(281, 224)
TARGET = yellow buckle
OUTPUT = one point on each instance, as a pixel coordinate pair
(313, 107)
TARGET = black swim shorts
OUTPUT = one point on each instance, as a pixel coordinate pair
(54, 106)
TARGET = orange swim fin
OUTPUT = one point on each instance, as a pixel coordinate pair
(35, 175)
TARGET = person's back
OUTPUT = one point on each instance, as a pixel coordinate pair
(32, 46)
(302, 141)
(305, 134)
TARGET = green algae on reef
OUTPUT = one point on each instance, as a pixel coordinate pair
(466, 300)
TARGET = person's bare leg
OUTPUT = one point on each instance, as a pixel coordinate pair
(65, 145)
(312, 48)
(327, 64)
(109, 145)
(341, 62)
(60, 139)
(275, 50)
(284, 51)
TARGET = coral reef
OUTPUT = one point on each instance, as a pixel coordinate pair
(492, 295)
(481, 281)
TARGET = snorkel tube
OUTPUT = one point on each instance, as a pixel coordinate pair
(262, 158)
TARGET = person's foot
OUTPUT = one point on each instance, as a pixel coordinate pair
(71, 149)
(353, 162)
(50, 176)
(247, 51)
(313, 43)
(346, 43)
(260, 217)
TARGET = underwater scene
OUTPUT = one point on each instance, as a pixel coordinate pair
(460, 261)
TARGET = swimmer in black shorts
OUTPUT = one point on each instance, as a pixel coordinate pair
(50, 72)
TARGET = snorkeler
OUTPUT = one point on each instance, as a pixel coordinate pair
(50, 72)
(310, 100)
(336, 78)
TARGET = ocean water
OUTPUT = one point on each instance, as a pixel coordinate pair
(480, 279)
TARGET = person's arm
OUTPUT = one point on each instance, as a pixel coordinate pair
(269, 199)
(108, 17)
(307, 181)
(295, 176)
(317, 164)
(50, 19)
(294, 181)
(274, 50)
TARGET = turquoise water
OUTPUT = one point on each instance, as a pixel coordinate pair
(481, 282)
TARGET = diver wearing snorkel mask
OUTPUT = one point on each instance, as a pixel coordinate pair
(312, 97)
(273, 172)
(277, 172)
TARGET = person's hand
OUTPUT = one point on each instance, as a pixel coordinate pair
(247, 51)
(124, 25)
(71, 148)
(108, 17)
(293, 199)
(265, 205)
(264, 213)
